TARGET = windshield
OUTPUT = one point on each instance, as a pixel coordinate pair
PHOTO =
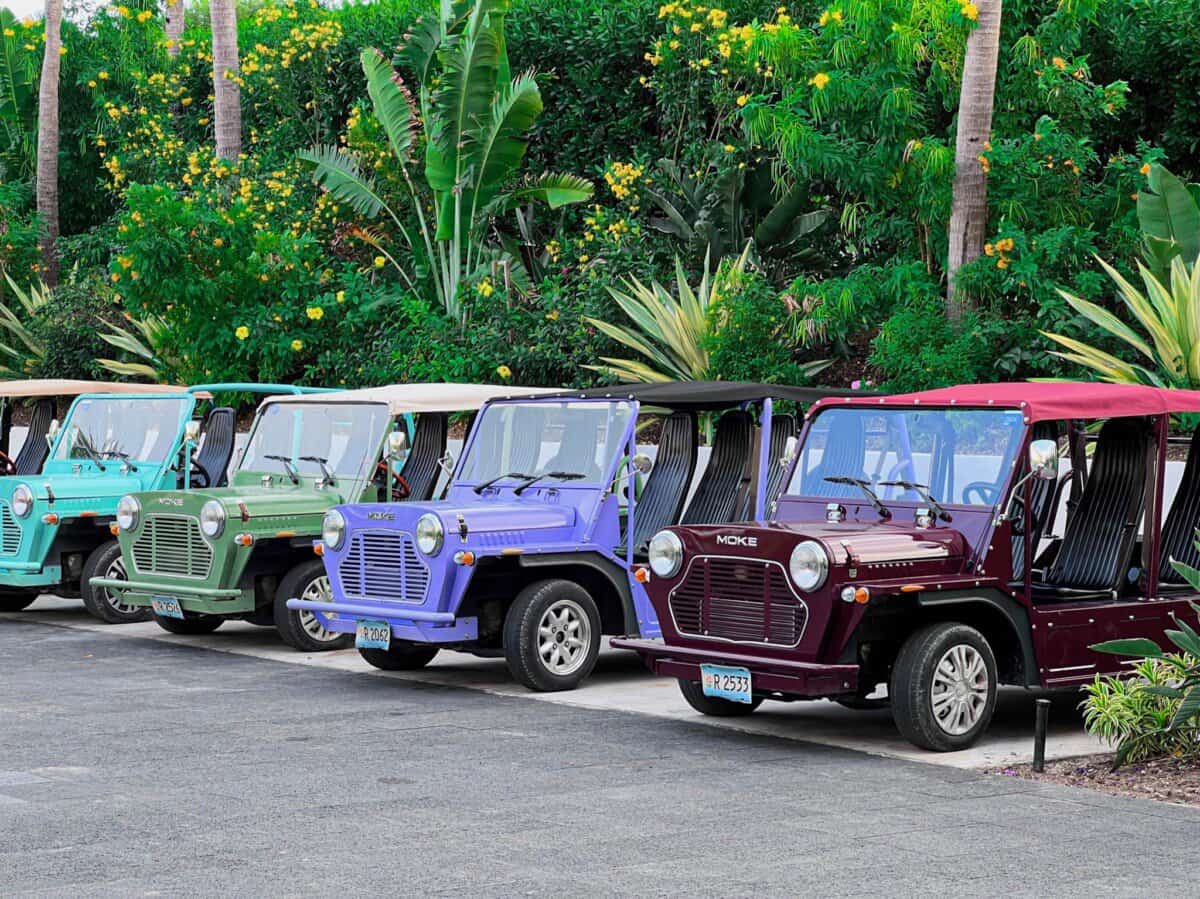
(143, 430)
(960, 456)
(576, 438)
(345, 438)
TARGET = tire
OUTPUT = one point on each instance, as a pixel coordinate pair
(16, 601)
(715, 706)
(301, 630)
(400, 656)
(964, 692)
(191, 624)
(552, 636)
(105, 561)
(862, 704)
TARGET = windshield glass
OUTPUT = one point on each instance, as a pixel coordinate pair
(144, 430)
(577, 438)
(960, 456)
(344, 437)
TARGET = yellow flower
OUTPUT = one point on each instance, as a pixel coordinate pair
(484, 288)
(504, 371)
(743, 100)
(341, 296)
(218, 242)
(297, 345)
(1145, 169)
(103, 76)
(144, 15)
(380, 262)
(1059, 63)
(553, 316)
(819, 81)
(62, 51)
(316, 313)
(970, 11)
(729, 148)
(242, 332)
(8, 32)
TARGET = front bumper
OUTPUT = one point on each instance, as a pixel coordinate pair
(192, 598)
(800, 680)
(415, 625)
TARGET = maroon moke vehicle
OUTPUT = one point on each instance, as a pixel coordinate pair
(898, 556)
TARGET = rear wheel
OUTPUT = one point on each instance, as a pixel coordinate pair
(16, 601)
(943, 688)
(105, 561)
(301, 629)
(400, 656)
(552, 636)
(191, 623)
(714, 705)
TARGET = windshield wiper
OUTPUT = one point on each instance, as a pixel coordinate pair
(479, 488)
(83, 444)
(865, 487)
(923, 491)
(557, 475)
(287, 467)
(122, 455)
(329, 478)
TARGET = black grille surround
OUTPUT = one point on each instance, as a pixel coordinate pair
(738, 600)
(384, 566)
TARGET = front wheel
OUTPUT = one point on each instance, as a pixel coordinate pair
(301, 629)
(16, 601)
(552, 636)
(943, 688)
(715, 706)
(105, 561)
(190, 624)
(400, 656)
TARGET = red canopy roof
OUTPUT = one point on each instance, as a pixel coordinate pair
(1044, 401)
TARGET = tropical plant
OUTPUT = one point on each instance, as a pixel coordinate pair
(1169, 218)
(474, 117)
(1169, 312)
(146, 340)
(48, 135)
(227, 102)
(22, 350)
(18, 105)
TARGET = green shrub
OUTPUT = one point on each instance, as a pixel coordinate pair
(20, 257)
(1134, 719)
(68, 329)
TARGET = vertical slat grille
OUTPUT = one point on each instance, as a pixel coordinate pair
(384, 566)
(10, 531)
(740, 600)
(172, 544)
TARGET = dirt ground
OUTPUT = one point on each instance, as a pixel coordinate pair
(1165, 780)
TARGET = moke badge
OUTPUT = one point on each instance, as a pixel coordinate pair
(170, 501)
(736, 540)
(381, 516)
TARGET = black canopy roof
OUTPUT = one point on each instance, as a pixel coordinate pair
(704, 395)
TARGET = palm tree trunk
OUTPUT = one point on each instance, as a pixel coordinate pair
(227, 102)
(47, 148)
(968, 216)
(175, 17)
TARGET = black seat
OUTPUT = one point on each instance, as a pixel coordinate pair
(35, 449)
(782, 427)
(1099, 538)
(667, 484)
(217, 436)
(1042, 514)
(1179, 529)
(845, 447)
(718, 496)
(421, 469)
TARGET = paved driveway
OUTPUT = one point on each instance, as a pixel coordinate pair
(135, 767)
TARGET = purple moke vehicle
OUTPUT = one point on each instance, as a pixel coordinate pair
(534, 551)
(916, 547)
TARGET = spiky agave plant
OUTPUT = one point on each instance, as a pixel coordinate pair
(22, 351)
(144, 341)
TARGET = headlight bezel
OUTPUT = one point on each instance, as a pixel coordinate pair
(129, 512)
(665, 546)
(212, 519)
(820, 566)
(333, 522)
(435, 531)
(22, 495)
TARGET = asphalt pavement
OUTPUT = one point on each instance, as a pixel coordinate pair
(137, 767)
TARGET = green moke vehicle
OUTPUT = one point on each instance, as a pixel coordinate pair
(201, 557)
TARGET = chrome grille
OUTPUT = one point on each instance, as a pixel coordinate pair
(384, 565)
(740, 600)
(10, 531)
(172, 544)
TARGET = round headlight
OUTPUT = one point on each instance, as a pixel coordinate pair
(333, 529)
(430, 534)
(212, 518)
(809, 565)
(665, 553)
(22, 501)
(128, 510)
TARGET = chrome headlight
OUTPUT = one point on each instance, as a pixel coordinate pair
(809, 566)
(333, 529)
(212, 518)
(128, 511)
(430, 534)
(665, 554)
(22, 501)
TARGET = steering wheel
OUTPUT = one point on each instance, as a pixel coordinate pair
(987, 493)
(399, 488)
(198, 477)
(7, 465)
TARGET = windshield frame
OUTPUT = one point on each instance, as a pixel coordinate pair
(187, 405)
(369, 455)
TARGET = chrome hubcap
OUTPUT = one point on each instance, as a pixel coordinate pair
(317, 591)
(959, 691)
(564, 636)
(116, 571)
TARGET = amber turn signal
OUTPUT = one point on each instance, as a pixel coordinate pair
(52, 518)
(319, 548)
(464, 557)
(112, 529)
(641, 575)
(244, 539)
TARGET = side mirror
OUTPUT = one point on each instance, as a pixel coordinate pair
(790, 448)
(52, 431)
(397, 443)
(191, 431)
(1043, 459)
(642, 463)
(447, 462)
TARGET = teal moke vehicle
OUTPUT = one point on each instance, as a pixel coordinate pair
(56, 526)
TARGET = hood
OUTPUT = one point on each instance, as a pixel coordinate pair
(71, 488)
(508, 518)
(258, 502)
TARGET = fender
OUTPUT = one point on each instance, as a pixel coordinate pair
(614, 573)
(1013, 612)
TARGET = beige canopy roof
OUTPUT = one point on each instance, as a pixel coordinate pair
(65, 387)
(407, 398)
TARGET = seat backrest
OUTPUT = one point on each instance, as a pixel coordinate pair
(421, 469)
(1099, 538)
(1042, 513)
(35, 449)
(216, 445)
(845, 447)
(782, 427)
(716, 498)
(1179, 528)
(667, 484)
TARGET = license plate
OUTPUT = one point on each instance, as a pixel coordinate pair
(166, 606)
(373, 635)
(723, 682)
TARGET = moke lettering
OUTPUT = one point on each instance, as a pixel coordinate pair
(736, 540)
(174, 501)
(381, 516)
